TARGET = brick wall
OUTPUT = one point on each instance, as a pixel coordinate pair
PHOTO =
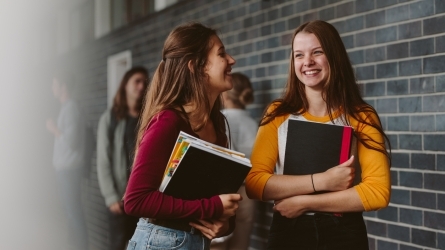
(398, 51)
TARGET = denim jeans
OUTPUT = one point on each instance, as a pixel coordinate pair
(150, 236)
(69, 189)
(318, 232)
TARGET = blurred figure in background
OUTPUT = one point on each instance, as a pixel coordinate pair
(68, 157)
(115, 150)
(243, 131)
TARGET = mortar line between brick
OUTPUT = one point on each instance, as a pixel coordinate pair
(400, 242)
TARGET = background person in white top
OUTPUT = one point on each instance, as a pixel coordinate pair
(68, 158)
(243, 130)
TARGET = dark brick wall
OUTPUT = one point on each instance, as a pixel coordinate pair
(397, 48)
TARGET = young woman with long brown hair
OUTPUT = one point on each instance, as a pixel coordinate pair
(184, 95)
(115, 150)
(321, 87)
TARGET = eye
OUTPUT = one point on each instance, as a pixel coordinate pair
(318, 52)
(298, 55)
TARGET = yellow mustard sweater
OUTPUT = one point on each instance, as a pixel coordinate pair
(269, 150)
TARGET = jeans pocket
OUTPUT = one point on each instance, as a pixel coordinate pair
(166, 239)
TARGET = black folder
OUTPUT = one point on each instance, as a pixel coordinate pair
(313, 147)
(203, 172)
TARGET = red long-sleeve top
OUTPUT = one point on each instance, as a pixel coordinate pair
(142, 197)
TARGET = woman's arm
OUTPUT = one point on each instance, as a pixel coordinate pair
(142, 196)
(340, 202)
(104, 161)
(215, 228)
(334, 179)
(375, 188)
(261, 183)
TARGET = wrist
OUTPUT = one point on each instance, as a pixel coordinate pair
(318, 182)
(304, 202)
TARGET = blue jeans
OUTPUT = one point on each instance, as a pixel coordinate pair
(318, 232)
(150, 236)
(69, 187)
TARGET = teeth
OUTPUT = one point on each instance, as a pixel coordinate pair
(311, 72)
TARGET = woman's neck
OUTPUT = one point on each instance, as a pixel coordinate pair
(317, 106)
(207, 132)
(190, 109)
(132, 110)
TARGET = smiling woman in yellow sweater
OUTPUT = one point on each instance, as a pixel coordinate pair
(321, 87)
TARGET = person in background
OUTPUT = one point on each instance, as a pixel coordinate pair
(243, 129)
(321, 87)
(68, 157)
(116, 139)
(184, 95)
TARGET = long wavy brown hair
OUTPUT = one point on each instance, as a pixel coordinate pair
(340, 90)
(120, 106)
(174, 84)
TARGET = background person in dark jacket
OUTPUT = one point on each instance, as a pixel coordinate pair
(115, 149)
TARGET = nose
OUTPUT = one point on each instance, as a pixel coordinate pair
(231, 61)
(308, 61)
(141, 85)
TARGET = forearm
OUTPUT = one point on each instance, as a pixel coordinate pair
(104, 164)
(105, 176)
(283, 186)
(106, 184)
(342, 201)
(154, 204)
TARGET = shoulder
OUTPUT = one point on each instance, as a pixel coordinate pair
(164, 127)
(105, 116)
(168, 119)
(273, 106)
(171, 115)
(272, 117)
(365, 120)
(366, 114)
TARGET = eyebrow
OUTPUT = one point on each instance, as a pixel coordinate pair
(221, 48)
(319, 47)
